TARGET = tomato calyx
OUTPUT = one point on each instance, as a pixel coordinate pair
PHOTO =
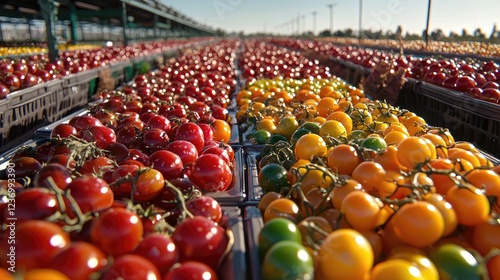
(131, 179)
(67, 207)
(280, 152)
(161, 225)
(81, 150)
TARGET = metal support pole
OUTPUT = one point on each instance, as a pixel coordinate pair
(124, 23)
(427, 25)
(155, 26)
(73, 22)
(48, 10)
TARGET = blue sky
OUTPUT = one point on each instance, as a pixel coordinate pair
(253, 16)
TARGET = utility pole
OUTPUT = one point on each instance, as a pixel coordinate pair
(360, 18)
(314, 22)
(303, 24)
(331, 16)
(427, 25)
(298, 25)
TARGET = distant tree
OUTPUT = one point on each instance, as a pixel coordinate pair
(220, 33)
(478, 33)
(437, 34)
(349, 32)
(409, 36)
(339, 33)
(390, 35)
(453, 34)
(399, 31)
(465, 33)
(494, 32)
(325, 33)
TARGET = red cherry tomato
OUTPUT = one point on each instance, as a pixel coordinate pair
(91, 194)
(200, 239)
(102, 136)
(191, 270)
(191, 132)
(184, 149)
(59, 174)
(81, 122)
(132, 267)
(63, 130)
(205, 206)
(168, 163)
(33, 204)
(96, 165)
(79, 260)
(159, 249)
(117, 231)
(210, 173)
(36, 242)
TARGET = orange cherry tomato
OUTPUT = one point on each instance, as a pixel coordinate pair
(340, 192)
(418, 223)
(344, 254)
(414, 151)
(446, 210)
(470, 204)
(281, 207)
(487, 180)
(310, 145)
(396, 269)
(343, 159)
(361, 210)
(370, 175)
(222, 131)
(486, 237)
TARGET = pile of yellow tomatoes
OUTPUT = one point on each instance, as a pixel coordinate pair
(375, 191)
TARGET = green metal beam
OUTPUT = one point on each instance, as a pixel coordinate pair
(73, 19)
(48, 9)
(86, 14)
(156, 11)
(124, 23)
(163, 25)
(17, 14)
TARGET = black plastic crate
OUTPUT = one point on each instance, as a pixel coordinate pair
(408, 98)
(468, 119)
(235, 264)
(75, 92)
(235, 132)
(119, 72)
(253, 226)
(251, 158)
(4, 124)
(29, 114)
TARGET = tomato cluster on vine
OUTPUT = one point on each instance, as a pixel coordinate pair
(122, 191)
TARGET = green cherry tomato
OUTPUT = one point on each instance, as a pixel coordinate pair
(376, 144)
(273, 177)
(260, 137)
(276, 230)
(287, 260)
(297, 134)
(454, 262)
(311, 126)
(357, 135)
(275, 138)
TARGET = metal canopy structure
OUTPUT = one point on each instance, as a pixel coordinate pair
(128, 14)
